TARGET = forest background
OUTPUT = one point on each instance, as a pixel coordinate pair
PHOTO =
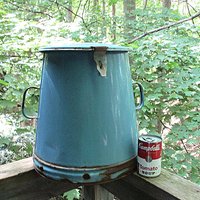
(165, 58)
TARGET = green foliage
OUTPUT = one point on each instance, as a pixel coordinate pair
(18, 145)
(72, 194)
(167, 64)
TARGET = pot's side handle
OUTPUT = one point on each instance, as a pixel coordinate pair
(24, 101)
(141, 104)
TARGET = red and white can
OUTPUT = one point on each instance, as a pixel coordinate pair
(149, 155)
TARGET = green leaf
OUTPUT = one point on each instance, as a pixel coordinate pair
(2, 82)
(22, 130)
(161, 57)
(29, 148)
(4, 141)
(169, 152)
(72, 194)
(180, 157)
(111, 2)
(7, 103)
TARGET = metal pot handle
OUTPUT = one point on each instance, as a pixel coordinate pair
(141, 104)
(23, 103)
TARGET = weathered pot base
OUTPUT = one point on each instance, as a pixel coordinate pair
(84, 175)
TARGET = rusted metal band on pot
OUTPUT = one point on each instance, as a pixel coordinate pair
(119, 166)
(85, 175)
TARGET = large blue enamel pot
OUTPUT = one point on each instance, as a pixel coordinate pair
(86, 127)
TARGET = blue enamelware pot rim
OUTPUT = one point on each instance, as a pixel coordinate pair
(83, 47)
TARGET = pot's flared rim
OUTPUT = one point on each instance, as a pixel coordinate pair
(84, 47)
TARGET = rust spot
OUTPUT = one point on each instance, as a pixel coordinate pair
(41, 168)
(100, 65)
(86, 176)
(127, 168)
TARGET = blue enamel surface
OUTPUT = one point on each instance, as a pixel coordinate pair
(86, 120)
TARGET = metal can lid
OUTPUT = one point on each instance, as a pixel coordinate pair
(150, 138)
(83, 47)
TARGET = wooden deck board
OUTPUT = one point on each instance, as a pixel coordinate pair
(18, 180)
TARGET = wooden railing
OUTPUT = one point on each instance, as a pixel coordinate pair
(19, 181)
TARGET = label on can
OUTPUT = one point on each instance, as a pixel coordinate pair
(149, 155)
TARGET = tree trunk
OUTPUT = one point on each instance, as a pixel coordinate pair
(129, 7)
(69, 14)
(145, 4)
(113, 22)
(159, 110)
(166, 4)
(104, 29)
(95, 2)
